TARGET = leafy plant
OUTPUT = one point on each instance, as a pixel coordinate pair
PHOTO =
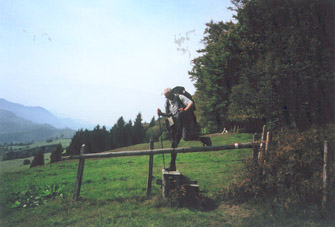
(36, 196)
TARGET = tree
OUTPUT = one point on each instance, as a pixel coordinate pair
(56, 155)
(79, 138)
(287, 62)
(274, 65)
(38, 159)
(118, 132)
(152, 122)
(139, 132)
(215, 73)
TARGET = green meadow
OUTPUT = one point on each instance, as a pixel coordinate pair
(113, 192)
(63, 142)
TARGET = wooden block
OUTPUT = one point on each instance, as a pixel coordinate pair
(170, 173)
(191, 189)
(166, 182)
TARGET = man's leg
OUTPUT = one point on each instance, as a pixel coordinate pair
(206, 140)
(176, 137)
(191, 131)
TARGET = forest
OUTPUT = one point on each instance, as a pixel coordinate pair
(122, 134)
(273, 65)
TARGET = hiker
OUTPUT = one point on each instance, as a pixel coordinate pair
(179, 111)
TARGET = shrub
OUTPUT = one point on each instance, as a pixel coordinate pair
(293, 171)
(56, 155)
(26, 162)
(38, 159)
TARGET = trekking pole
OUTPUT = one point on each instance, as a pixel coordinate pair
(160, 129)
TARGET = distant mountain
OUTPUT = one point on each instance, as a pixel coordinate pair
(39, 115)
(17, 129)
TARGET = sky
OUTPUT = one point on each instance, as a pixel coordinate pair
(99, 60)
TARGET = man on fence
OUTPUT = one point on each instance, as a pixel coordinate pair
(181, 122)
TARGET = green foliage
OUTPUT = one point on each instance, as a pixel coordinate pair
(35, 196)
(274, 65)
(30, 152)
(122, 134)
(138, 130)
(153, 133)
(38, 159)
(291, 174)
(287, 73)
(56, 155)
(214, 73)
(26, 162)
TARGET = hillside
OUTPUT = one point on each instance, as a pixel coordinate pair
(17, 129)
(38, 115)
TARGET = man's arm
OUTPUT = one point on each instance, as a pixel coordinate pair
(160, 113)
(186, 102)
(187, 107)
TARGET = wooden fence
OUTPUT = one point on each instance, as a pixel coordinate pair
(260, 152)
(151, 152)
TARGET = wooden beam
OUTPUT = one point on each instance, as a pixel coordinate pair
(151, 161)
(328, 159)
(165, 151)
(268, 142)
(166, 181)
(262, 146)
(256, 148)
(76, 194)
(267, 146)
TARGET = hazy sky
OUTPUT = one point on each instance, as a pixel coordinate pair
(99, 60)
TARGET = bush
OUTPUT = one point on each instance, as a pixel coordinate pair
(293, 171)
(56, 155)
(26, 162)
(38, 159)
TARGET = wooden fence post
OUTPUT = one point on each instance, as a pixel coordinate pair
(151, 161)
(328, 158)
(80, 172)
(256, 148)
(268, 141)
(267, 144)
(262, 146)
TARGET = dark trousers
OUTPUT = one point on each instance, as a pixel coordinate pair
(185, 127)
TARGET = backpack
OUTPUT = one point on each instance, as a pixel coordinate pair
(179, 90)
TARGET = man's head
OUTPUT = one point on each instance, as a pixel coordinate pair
(168, 93)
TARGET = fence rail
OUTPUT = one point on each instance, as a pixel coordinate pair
(151, 152)
(165, 151)
(260, 147)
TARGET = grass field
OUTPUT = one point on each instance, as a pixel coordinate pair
(16, 165)
(114, 192)
(64, 142)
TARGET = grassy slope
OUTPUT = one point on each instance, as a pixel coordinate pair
(17, 164)
(63, 142)
(113, 192)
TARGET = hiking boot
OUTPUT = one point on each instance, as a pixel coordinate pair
(206, 140)
(172, 167)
